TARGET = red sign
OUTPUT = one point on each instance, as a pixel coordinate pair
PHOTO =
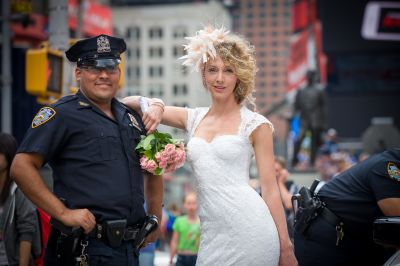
(96, 18)
(298, 64)
(34, 32)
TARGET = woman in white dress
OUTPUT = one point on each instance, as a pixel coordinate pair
(238, 227)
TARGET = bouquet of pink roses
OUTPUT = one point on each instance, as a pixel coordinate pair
(160, 153)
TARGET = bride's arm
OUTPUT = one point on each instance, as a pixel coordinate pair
(263, 149)
(157, 112)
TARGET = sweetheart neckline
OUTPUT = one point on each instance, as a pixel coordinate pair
(217, 137)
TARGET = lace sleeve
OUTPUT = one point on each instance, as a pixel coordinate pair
(254, 120)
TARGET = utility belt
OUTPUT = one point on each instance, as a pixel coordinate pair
(307, 207)
(71, 242)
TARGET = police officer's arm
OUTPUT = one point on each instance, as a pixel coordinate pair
(263, 149)
(25, 171)
(153, 192)
(390, 206)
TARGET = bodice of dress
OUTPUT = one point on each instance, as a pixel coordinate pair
(223, 163)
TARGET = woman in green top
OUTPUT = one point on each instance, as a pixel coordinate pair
(186, 236)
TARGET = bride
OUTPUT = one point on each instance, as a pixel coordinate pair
(238, 227)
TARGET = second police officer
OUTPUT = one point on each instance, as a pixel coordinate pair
(342, 233)
(89, 141)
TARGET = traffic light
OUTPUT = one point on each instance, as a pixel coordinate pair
(44, 72)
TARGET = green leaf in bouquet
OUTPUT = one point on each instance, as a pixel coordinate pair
(149, 154)
(158, 171)
(148, 142)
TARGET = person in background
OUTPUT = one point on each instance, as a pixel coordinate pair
(89, 141)
(18, 219)
(288, 188)
(186, 234)
(222, 139)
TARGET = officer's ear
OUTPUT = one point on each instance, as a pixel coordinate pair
(78, 74)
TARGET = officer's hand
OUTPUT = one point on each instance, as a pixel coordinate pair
(79, 218)
(152, 117)
(152, 237)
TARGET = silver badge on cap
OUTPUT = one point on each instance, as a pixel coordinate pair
(103, 44)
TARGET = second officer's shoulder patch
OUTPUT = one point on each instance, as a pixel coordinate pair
(44, 115)
(393, 171)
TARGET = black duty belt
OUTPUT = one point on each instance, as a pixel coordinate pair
(100, 232)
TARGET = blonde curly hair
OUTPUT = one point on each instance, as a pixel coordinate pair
(237, 52)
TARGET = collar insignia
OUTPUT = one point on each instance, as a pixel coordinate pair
(134, 122)
(103, 44)
(393, 171)
(44, 115)
(83, 103)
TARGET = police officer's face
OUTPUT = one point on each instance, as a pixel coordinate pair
(98, 84)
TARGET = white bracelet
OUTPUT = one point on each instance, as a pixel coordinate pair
(144, 103)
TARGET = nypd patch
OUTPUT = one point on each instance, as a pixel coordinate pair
(44, 115)
(393, 171)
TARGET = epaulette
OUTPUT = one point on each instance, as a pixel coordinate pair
(64, 100)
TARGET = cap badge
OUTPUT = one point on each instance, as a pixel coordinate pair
(44, 115)
(393, 171)
(103, 44)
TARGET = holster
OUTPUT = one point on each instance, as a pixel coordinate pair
(67, 242)
(308, 208)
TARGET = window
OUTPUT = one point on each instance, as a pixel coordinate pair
(179, 89)
(156, 90)
(133, 33)
(156, 71)
(178, 51)
(155, 33)
(155, 52)
(179, 32)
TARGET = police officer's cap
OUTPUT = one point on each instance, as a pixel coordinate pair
(99, 51)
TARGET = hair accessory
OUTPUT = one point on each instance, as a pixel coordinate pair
(201, 46)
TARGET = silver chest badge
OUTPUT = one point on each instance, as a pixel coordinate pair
(103, 44)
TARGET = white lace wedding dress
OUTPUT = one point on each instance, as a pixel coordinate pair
(236, 225)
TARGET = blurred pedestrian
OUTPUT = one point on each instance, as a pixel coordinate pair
(186, 234)
(341, 231)
(19, 228)
(89, 141)
(310, 104)
(173, 211)
(222, 139)
(288, 188)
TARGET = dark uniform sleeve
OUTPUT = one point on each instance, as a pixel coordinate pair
(47, 134)
(381, 180)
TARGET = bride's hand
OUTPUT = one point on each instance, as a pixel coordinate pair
(152, 116)
(287, 258)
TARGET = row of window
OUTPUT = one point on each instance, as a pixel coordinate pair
(134, 72)
(262, 4)
(155, 52)
(157, 90)
(134, 32)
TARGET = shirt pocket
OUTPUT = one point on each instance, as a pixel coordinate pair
(102, 143)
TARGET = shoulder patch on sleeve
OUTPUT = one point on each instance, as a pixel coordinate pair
(393, 171)
(44, 115)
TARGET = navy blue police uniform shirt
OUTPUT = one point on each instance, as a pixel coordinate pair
(353, 194)
(93, 157)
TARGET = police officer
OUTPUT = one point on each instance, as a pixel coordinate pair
(342, 234)
(89, 141)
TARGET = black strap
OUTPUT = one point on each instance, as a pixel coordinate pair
(329, 216)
